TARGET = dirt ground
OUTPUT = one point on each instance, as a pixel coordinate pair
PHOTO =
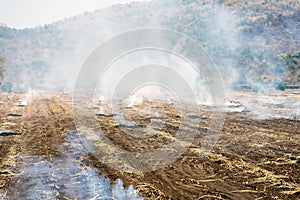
(253, 158)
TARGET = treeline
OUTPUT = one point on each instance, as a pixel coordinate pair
(257, 38)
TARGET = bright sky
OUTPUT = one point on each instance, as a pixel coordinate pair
(31, 13)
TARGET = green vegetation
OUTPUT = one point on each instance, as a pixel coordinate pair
(291, 65)
(257, 89)
(187, 1)
(280, 86)
(7, 87)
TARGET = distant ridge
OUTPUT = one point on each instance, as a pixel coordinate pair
(247, 37)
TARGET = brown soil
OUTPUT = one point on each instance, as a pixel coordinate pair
(253, 159)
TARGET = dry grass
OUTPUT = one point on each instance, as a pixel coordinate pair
(250, 160)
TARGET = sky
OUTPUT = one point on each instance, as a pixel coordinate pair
(32, 13)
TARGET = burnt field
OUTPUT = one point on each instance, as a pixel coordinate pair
(257, 155)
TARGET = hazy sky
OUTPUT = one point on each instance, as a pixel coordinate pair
(31, 13)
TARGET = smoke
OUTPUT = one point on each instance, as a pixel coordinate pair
(28, 97)
(80, 36)
(236, 40)
(134, 100)
(64, 46)
(65, 176)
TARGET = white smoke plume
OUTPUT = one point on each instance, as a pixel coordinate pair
(65, 176)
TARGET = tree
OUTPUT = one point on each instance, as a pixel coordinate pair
(7, 87)
(2, 68)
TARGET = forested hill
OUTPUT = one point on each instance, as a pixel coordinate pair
(256, 40)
